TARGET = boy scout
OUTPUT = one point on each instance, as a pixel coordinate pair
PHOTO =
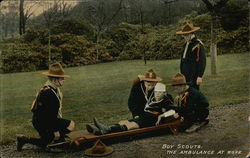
(192, 104)
(193, 59)
(47, 117)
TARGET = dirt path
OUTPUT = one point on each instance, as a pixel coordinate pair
(227, 135)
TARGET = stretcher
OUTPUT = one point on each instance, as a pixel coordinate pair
(83, 137)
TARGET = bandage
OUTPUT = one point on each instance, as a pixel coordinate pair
(169, 113)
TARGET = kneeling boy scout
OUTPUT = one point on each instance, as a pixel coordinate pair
(192, 104)
(47, 117)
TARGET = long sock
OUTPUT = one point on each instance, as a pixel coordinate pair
(118, 128)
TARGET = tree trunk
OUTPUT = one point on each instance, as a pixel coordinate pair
(97, 49)
(49, 47)
(5, 25)
(213, 47)
(141, 20)
(21, 17)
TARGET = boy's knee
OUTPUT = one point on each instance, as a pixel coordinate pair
(71, 125)
(132, 125)
(123, 122)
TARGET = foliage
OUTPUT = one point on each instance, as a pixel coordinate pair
(36, 36)
(234, 15)
(31, 52)
(20, 57)
(120, 42)
(73, 26)
(234, 42)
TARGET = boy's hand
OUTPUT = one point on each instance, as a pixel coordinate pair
(199, 81)
(176, 115)
(57, 135)
(136, 117)
(159, 119)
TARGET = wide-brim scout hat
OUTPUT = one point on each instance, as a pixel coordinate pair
(99, 149)
(187, 28)
(56, 70)
(149, 76)
(179, 79)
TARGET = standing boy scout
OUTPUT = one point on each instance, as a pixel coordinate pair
(47, 116)
(193, 59)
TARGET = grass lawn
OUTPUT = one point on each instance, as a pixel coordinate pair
(102, 91)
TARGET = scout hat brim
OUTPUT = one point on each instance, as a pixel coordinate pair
(55, 70)
(187, 83)
(54, 75)
(103, 150)
(143, 78)
(186, 32)
(178, 80)
(108, 151)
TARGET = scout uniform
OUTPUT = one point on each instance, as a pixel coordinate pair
(152, 110)
(147, 118)
(156, 107)
(139, 96)
(193, 59)
(46, 108)
(192, 104)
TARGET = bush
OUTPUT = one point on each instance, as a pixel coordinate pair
(29, 54)
(234, 15)
(40, 36)
(122, 42)
(73, 26)
(20, 58)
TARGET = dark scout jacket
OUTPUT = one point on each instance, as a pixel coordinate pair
(157, 106)
(192, 103)
(45, 110)
(137, 100)
(194, 63)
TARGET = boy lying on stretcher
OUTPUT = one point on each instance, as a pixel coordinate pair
(156, 108)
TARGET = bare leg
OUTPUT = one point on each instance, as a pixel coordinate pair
(129, 125)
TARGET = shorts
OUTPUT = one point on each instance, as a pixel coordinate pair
(145, 120)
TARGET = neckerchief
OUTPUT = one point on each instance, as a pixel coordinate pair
(145, 92)
(150, 102)
(185, 50)
(182, 96)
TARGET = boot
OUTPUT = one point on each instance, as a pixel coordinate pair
(110, 129)
(21, 140)
(93, 129)
(197, 126)
(194, 128)
(103, 128)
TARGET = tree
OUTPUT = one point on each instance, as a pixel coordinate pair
(24, 15)
(49, 13)
(21, 19)
(53, 13)
(214, 9)
(8, 18)
(234, 15)
(101, 14)
(168, 2)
